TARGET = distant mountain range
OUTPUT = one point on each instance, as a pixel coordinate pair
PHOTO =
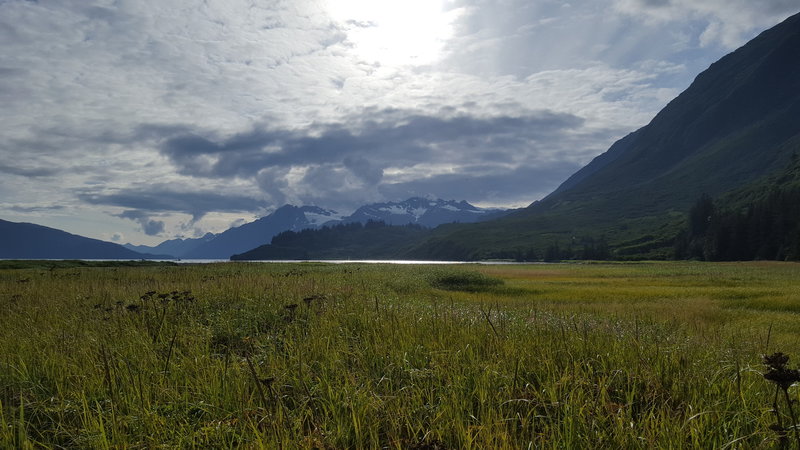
(173, 246)
(425, 212)
(30, 241)
(253, 234)
(419, 211)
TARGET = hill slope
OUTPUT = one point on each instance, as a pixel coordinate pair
(373, 240)
(759, 221)
(737, 122)
(253, 234)
(30, 241)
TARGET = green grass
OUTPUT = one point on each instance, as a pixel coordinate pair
(362, 356)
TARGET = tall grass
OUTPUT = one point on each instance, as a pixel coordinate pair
(362, 356)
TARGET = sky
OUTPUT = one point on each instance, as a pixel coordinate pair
(144, 120)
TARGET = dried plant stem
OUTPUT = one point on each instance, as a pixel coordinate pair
(169, 352)
(793, 416)
(256, 380)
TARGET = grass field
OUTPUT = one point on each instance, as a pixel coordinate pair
(366, 356)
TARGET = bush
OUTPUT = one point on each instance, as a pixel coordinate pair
(464, 281)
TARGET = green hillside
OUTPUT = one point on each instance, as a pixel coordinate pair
(736, 123)
(759, 221)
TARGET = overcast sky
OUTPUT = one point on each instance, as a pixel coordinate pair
(142, 120)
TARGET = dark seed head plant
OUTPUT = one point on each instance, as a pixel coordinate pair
(778, 373)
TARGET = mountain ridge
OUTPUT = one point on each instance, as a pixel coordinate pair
(236, 240)
(22, 240)
(735, 123)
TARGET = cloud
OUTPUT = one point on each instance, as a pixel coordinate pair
(149, 227)
(363, 169)
(234, 224)
(36, 208)
(517, 187)
(33, 172)
(160, 199)
(352, 158)
(380, 137)
(228, 109)
(728, 23)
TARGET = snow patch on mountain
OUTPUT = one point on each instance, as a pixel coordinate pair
(317, 217)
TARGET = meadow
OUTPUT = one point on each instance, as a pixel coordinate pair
(253, 355)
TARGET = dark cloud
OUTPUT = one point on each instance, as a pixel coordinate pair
(339, 163)
(153, 227)
(160, 199)
(381, 139)
(328, 163)
(11, 71)
(149, 226)
(363, 169)
(28, 172)
(655, 3)
(522, 185)
(32, 209)
(273, 182)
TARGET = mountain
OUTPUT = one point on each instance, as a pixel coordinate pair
(374, 231)
(178, 248)
(30, 241)
(419, 211)
(425, 212)
(261, 231)
(372, 240)
(737, 122)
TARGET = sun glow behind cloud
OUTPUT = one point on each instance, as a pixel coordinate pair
(226, 111)
(395, 33)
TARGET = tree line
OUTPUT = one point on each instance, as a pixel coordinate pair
(766, 226)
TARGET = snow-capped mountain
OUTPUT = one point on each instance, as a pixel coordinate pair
(259, 232)
(244, 237)
(420, 211)
(425, 212)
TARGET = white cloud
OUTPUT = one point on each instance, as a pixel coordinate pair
(727, 23)
(92, 90)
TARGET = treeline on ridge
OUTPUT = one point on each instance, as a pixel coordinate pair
(371, 240)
